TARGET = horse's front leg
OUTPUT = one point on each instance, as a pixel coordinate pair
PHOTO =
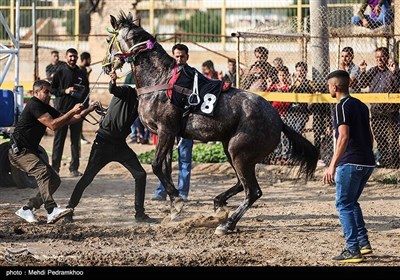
(162, 169)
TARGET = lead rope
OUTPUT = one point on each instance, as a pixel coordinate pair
(100, 110)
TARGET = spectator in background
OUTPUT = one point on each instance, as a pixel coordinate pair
(185, 146)
(282, 86)
(257, 79)
(55, 65)
(262, 66)
(70, 86)
(346, 63)
(384, 78)
(298, 113)
(230, 76)
(130, 81)
(137, 126)
(209, 71)
(85, 66)
(381, 14)
(86, 60)
(278, 63)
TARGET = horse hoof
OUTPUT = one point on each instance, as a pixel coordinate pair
(221, 230)
(178, 204)
(174, 215)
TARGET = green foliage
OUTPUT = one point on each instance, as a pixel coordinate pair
(70, 22)
(202, 153)
(392, 180)
(200, 22)
(146, 157)
(206, 153)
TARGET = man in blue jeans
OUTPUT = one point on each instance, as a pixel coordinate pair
(181, 54)
(185, 168)
(351, 165)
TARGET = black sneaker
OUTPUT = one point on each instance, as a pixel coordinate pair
(349, 257)
(366, 249)
(144, 218)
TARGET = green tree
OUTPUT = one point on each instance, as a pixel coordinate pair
(200, 22)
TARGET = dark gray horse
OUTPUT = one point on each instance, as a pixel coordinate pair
(246, 124)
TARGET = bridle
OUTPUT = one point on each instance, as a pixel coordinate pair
(122, 56)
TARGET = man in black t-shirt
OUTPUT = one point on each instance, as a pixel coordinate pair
(351, 166)
(70, 86)
(110, 145)
(24, 153)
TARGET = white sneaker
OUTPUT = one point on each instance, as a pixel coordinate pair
(27, 215)
(57, 214)
(84, 141)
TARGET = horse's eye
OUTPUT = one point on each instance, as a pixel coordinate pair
(108, 40)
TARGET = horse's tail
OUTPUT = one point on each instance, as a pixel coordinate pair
(301, 152)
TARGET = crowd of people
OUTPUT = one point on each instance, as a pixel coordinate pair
(381, 78)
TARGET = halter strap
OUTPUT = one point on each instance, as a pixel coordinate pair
(149, 89)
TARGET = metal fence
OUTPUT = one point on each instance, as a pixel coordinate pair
(285, 65)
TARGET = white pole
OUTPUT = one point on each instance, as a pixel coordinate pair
(17, 37)
(34, 42)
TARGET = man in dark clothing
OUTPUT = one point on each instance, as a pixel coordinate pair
(110, 145)
(24, 153)
(70, 86)
(55, 65)
(384, 78)
(351, 166)
(86, 60)
(230, 76)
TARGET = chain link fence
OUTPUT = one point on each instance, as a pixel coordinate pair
(279, 60)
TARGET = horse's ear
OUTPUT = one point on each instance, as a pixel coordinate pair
(130, 17)
(113, 21)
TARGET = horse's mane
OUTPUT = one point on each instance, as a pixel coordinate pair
(126, 20)
(141, 35)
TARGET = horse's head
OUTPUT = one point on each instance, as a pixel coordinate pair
(125, 42)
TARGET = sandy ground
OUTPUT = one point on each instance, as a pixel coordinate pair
(293, 224)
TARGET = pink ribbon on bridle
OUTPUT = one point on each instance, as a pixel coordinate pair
(141, 47)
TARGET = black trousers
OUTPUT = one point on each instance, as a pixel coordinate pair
(104, 152)
(58, 145)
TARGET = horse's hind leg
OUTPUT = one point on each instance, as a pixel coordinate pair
(246, 174)
(220, 200)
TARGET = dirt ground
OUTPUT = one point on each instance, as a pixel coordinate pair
(293, 224)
